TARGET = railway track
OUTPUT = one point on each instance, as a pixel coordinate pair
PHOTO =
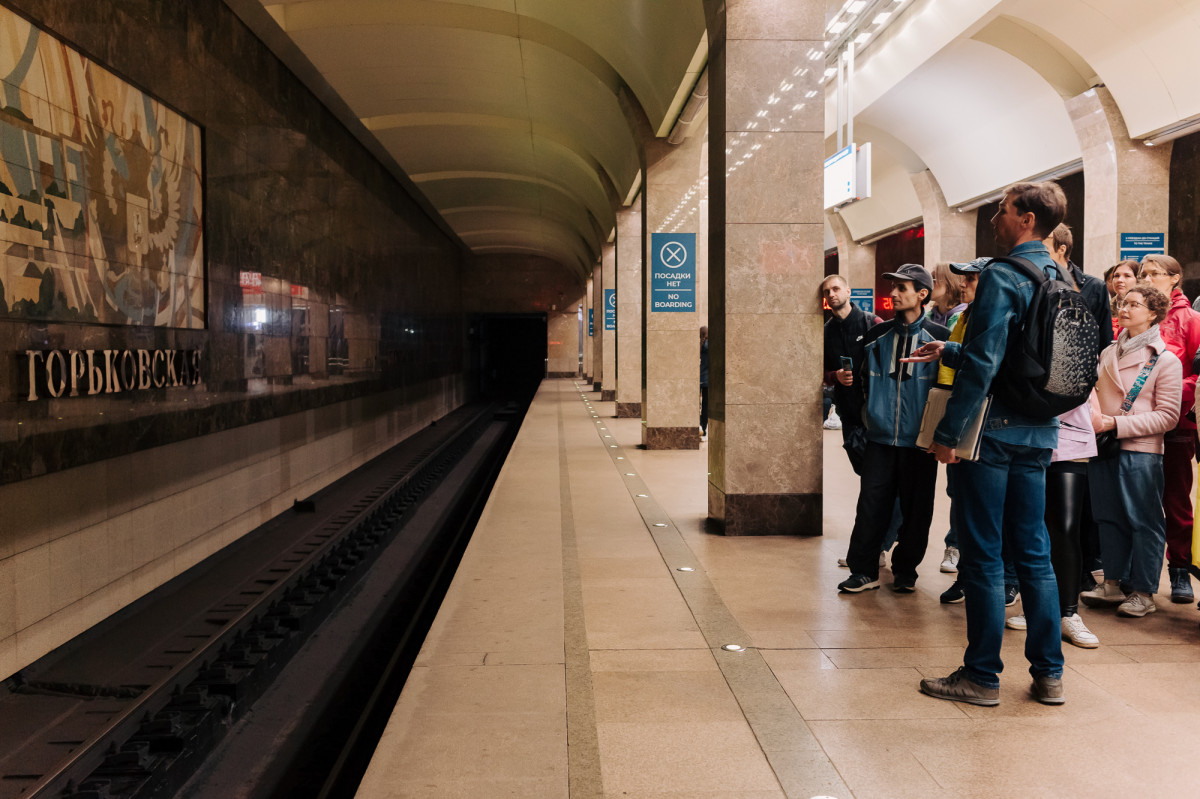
(136, 706)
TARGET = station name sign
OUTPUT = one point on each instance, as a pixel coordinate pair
(76, 373)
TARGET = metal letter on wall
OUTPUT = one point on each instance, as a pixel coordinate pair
(100, 192)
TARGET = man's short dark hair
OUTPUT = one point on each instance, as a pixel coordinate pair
(1062, 238)
(1044, 200)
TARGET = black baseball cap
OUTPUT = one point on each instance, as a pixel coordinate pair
(969, 267)
(918, 274)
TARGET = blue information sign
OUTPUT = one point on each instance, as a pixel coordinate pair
(610, 309)
(864, 299)
(1135, 246)
(591, 321)
(672, 272)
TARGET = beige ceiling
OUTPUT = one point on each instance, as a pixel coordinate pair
(519, 120)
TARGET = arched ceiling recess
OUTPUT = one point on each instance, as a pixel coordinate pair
(511, 116)
(1145, 52)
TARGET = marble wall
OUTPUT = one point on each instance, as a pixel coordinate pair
(333, 328)
(629, 311)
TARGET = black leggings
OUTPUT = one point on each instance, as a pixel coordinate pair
(1066, 491)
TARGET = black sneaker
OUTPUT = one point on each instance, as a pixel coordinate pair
(1011, 595)
(953, 595)
(1181, 585)
(856, 583)
(903, 585)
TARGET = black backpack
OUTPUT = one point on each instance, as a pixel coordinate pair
(1050, 365)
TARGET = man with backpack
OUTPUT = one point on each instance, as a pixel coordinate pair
(1002, 495)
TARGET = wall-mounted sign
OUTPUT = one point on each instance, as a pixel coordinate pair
(864, 299)
(591, 321)
(673, 272)
(1136, 246)
(75, 373)
(610, 309)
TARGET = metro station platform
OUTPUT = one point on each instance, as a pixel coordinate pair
(573, 656)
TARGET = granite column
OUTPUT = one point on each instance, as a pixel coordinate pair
(629, 311)
(766, 234)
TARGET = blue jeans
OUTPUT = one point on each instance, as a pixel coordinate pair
(1000, 500)
(1126, 504)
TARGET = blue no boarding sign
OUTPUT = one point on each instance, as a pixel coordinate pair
(610, 309)
(673, 272)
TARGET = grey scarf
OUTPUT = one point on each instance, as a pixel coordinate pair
(1127, 344)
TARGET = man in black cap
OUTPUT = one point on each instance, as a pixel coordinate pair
(892, 466)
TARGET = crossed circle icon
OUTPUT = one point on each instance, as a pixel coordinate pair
(612, 300)
(673, 254)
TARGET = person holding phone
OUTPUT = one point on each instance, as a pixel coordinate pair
(845, 333)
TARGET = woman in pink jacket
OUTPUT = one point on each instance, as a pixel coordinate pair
(1127, 488)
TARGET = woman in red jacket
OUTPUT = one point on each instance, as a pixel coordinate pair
(1181, 332)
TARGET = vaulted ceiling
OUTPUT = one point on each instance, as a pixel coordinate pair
(521, 121)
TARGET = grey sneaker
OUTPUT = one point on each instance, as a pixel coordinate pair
(950, 561)
(1048, 690)
(1137, 605)
(1105, 595)
(958, 687)
(1016, 622)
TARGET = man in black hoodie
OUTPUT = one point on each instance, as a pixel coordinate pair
(845, 336)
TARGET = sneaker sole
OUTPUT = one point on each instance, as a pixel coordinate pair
(970, 700)
(904, 589)
(868, 587)
(1081, 644)
(1182, 599)
(1048, 700)
(958, 601)
(1129, 615)
(1008, 626)
(948, 569)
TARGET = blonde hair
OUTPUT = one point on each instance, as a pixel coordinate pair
(953, 283)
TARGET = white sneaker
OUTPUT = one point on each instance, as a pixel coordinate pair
(883, 560)
(950, 561)
(842, 563)
(1137, 605)
(833, 421)
(1016, 622)
(1074, 631)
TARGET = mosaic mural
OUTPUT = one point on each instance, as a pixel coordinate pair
(100, 192)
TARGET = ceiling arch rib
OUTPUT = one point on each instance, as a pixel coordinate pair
(553, 165)
(453, 195)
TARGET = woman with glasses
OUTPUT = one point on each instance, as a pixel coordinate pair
(1137, 397)
(1181, 332)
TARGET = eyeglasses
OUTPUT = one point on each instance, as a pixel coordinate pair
(1153, 273)
(1134, 304)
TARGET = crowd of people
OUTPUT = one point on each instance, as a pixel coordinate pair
(1049, 510)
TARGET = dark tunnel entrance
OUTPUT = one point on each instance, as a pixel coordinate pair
(508, 354)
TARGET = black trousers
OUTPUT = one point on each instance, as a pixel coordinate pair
(888, 473)
(1066, 495)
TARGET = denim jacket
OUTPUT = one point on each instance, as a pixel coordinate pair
(896, 391)
(1001, 300)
